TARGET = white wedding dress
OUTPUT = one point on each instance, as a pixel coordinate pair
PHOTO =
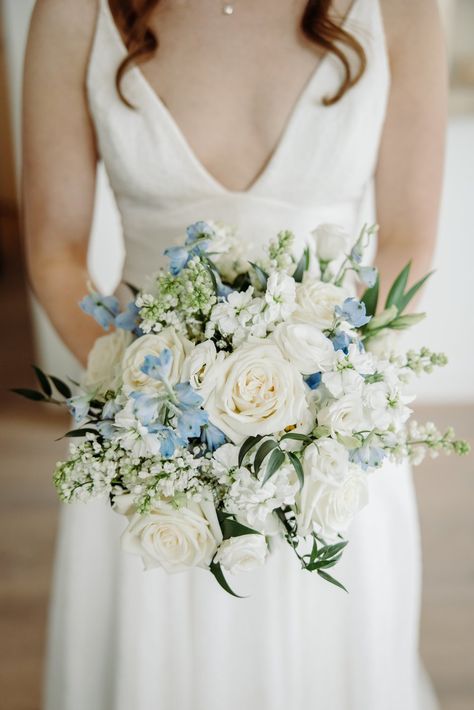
(125, 639)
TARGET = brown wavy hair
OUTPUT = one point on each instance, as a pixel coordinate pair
(132, 17)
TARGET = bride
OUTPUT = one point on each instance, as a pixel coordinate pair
(266, 115)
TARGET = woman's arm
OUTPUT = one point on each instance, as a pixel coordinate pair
(59, 164)
(410, 166)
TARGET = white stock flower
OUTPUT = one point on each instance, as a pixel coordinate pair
(329, 509)
(343, 416)
(198, 365)
(174, 538)
(134, 357)
(326, 460)
(134, 436)
(304, 345)
(244, 553)
(280, 296)
(316, 301)
(332, 241)
(256, 391)
(227, 251)
(104, 362)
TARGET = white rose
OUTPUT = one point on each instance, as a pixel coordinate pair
(332, 241)
(330, 509)
(104, 370)
(175, 539)
(134, 357)
(304, 345)
(316, 301)
(385, 344)
(256, 391)
(242, 554)
(326, 460)
(198, 365)
(343, 416)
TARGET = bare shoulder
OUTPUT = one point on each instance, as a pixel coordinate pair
(411, 25)
(63, 28)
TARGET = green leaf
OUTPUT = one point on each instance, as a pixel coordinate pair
(398, 287)
(247, 446)
(371, 298)
(43, 380)
(30, 394)
(135, 291)
(276, 459)
(296, 436)
(216, 570)
(382, 319)
(321, 431)
(261, 274)
(232, 528)
(407, 321)
(61, 386)
(330, 579)
(407, 297)
(297, 466)
(75, 433)
(263, 452)
(302, 266)
(331, 550)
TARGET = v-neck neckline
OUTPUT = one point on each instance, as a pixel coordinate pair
(188, 150)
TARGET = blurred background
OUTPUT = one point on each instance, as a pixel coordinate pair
(28, 450)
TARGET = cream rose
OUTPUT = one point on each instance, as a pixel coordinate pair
(305, 346)
(242, 554)
(174, 538)
(343, 416)
(256, 391)
(104, 370)
(332, 241)
(330, 509)
(316, 301)
(199, 363)
(134, 357)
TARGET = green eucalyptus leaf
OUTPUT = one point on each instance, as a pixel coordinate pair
(61, 386)
(277, 457)
(398, 287)
(263, 452)
(247, 446)
(216, 570)
(43, 380)
(330, 579)
(371, 297)
(30, 394)
(297, 466)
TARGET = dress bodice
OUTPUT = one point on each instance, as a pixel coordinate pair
(321, 170)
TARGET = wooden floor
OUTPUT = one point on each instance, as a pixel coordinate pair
(28, 513)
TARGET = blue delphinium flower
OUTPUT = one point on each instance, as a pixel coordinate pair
(313, 381)
(212, 437)
(103, 308)
(110, 409)
(158, 367)
(79, 406)
(191, 417)
(107, 428)
(146, 407)
(128, 319)
(198, 230)
(179, 257)
(353, 311)
(169, 439)
(341, 341)
(367, 456)
(187, 397)
(368, 275)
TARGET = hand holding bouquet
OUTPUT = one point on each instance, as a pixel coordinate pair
(238, 402)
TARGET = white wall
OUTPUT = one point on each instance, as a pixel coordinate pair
(450, 325)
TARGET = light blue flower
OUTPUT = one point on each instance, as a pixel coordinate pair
(146, 407)
(187, 397)
(110, 409)
(107, 429)
(158, 367)
(313, 381)
(169, 440)
(353, 311)
(190, 422)
(128, 319)
(368, 275)
(179, 257)
(198, 231)
(79, 406)
(103, 309)
(367, 456)
(212, 437)
(341, 341)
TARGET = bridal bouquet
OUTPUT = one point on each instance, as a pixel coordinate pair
(239, 402)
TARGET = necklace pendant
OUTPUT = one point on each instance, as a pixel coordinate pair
(228, 9)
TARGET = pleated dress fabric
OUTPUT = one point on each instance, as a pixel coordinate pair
(124, 639)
